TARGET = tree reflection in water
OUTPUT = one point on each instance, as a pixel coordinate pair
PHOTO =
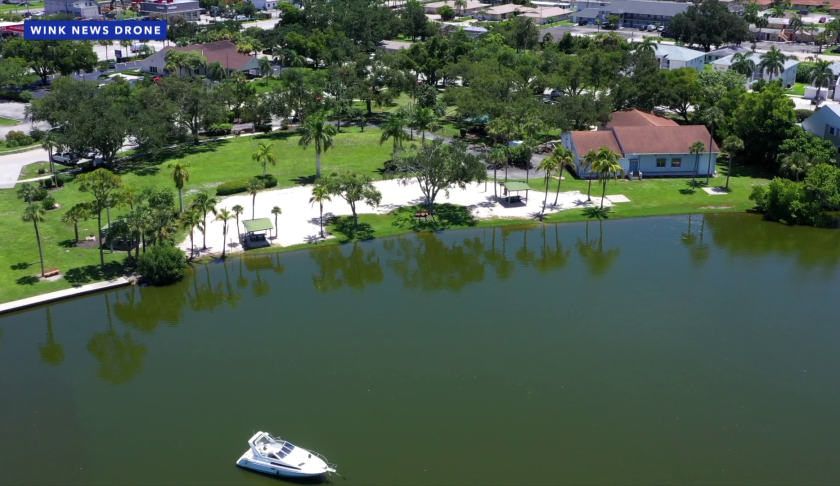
(700, 252)
(552, 258)
(596, 259)
(523, 254)
(356, 270)
(425, 261)
(206, 297)
(51, 352)
(231, 297)
(155, 305)
(497, 257)
(120, 358)
(255, 263)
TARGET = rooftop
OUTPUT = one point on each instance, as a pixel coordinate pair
(727, 61)
(662, 140)
(509, 8)
(727, 51)
(676, 53)
(647, 7)
(259, 224)
(547, 12)
(638, 118)
(471, 4)
(586, 141)
(224, 52)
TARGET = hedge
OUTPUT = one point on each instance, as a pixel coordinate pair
(162, 265)
(241, 185)
(219, 129)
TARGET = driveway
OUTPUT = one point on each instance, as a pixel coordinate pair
(16, 111)
(11, 164)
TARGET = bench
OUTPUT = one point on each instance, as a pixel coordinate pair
(421, 214)
(514, 199)
(51, 272)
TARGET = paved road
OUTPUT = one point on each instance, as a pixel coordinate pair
(10, 165)
(16, 111)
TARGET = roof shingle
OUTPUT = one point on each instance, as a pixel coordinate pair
(662, 140)
(636, 118)
(586, 141)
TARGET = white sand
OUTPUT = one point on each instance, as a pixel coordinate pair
(299, 221)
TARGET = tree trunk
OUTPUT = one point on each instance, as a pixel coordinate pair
(694, 175)
(369, 107)
(224, 240)
(275, 227)
(40, 250)
(99, 239)
(238, 233)
(111, 242)
(253, 206)
(355, 216)
(204, 234)
(321, 219)
(559, 181)
(709, 165)
(495, 185)
(604, 193)
(545, 201)
(317, 164)
(192, 242)
(181, 198)
(76, 230)
(589, 191)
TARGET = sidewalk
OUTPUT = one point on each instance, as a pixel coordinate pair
(62, 294)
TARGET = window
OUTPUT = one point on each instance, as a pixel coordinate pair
(660, 162)
(831, 130)
(153, 69)
(676, 162)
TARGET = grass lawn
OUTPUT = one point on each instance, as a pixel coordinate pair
(210, 164)
(266, 85)
(8, 122)
(654, 197)
(5, 8)
(31, 170)
(708, 67)
(555, 24)
(6, 150)
(798, 89)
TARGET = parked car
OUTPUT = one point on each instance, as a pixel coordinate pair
(823, 20)
(650, 27)
(804, 11)
(65, 158)
(582, 22)
(112, 65)
(660, 28)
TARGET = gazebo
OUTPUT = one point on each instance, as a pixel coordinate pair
(255, 233)
(517, 187)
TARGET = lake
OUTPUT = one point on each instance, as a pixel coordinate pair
(670, 350)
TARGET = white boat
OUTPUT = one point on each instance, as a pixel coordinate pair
(278, 457)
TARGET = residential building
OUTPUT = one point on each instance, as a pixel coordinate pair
(765, 34)
(713, 56)
(265, 4)
(188, 9)
(224, 52)
(471, 30)
(549, 15)
(391, 47)
(633, 13)
(826, 92)
(647, 146)
(788, 74)
(825, 123)
(84, 9)
(503, 12)
(471, 9)
(674, 57)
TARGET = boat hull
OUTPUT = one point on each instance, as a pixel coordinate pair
(247, 462)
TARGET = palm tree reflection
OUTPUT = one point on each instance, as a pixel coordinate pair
(51, 352)
(593, 254)
(120, 357)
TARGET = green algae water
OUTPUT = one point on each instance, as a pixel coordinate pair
(677, 350)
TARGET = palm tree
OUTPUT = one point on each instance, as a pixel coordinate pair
(27, 192)
(821, 75)
(216, 72)
(796, 164)
(731, 145)
(276, 211)
(320, 193)
(460, 5)
(424, 119)
(264, 156)
(772, 62)
(549, 165)
(565, 158)
(742, 63)
(105, 43)
(318, 132)
(394, 129)
(761, 22)
(713, 118)
(224, 216)
(180, 175)
(76, 215)
(237, 210)
(265, 67)
(607, 166)
(696, 148)
(34, 214)
(795, 23)
(191, 220)
(205, 203)
(587, 163)
(254, 187)
(496, 157)
(648, 45)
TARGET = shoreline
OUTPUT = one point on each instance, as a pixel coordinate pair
(105, 285)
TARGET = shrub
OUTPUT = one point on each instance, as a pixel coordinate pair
(37, 134)
(61, 179)
(40, 194)
(446, 13)
(42, 171)
(219, 129)
(48, 183)
(17, 138)
(48, 203)
(162, 265)
(241, 185)
(803, 72)
(802, 114)
(231, 116)
(788, 203)
(11, 95)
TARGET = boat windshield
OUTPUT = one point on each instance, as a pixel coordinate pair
(286, 450)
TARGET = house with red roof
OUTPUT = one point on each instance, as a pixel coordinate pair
(224, 52)
(647, 146)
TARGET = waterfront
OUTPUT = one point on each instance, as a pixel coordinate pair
(632, 351)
